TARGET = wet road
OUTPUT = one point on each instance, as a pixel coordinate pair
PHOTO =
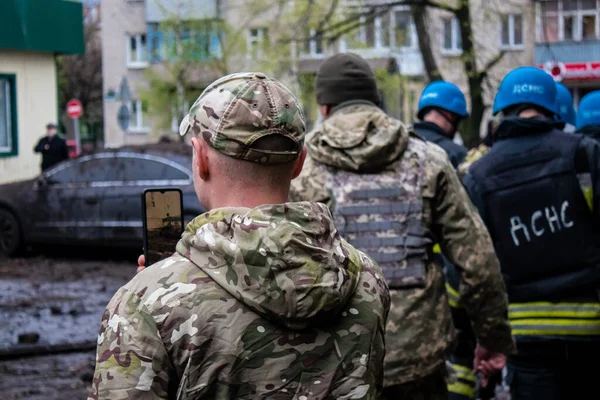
(53, 300)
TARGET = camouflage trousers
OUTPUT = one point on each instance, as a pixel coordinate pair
(431, 387)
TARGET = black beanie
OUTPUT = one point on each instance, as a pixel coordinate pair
(343, 77)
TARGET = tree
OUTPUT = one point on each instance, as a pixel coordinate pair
(195, 52)
(80, 77)
(476, 70)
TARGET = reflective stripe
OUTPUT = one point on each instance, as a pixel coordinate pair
(385, 208)
(437, 249)
(453, 296)
(589, 197)
(553, 310)
(464, 372)
(555, 327)
(462, 388)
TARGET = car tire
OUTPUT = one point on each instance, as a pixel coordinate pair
(11, 234)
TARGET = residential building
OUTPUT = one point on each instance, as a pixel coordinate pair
(499, 28)
(146, 38)
(28, 84)
(389, 42)
(568, 43)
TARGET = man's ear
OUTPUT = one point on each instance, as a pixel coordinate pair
(200, 158)
(299, 163)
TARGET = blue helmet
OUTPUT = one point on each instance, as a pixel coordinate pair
(588, 112)
(444, 95)
(564, 105)
(526, 85)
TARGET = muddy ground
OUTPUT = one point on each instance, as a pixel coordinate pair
(48, 300)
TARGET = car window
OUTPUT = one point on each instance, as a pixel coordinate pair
(90, 170)
(137, 169)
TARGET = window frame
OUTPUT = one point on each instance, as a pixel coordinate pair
(13, 149)
(455, 32)
(412, 30)
(138, 117)
(260, 40)
(560, 14)
(312, 45)
(136, 64)
(511, 33)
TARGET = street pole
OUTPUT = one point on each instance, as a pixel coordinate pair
(77, 139)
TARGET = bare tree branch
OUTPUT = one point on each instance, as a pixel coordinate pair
(484, 72)
(325, 20)
(353, 21)
(419, 14)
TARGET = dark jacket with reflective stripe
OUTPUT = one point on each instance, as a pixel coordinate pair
(548, 241)
(433, 133)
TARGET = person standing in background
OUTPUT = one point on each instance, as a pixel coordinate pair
(53, 148)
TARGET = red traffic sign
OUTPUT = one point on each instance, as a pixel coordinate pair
(74, 109)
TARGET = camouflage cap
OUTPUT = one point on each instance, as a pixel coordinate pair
(237, 110)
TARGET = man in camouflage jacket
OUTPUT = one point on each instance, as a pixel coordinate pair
(263, 298)
(360, 159)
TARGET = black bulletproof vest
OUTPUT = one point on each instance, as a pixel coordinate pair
(543, 230)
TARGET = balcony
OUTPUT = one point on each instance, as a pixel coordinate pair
(568, 51)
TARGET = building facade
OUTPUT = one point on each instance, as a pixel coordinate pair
(28, 84)
(568, 43)
(145, 38)
(499, 27)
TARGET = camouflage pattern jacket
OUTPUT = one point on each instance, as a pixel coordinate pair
(257, 303)
(360, 137)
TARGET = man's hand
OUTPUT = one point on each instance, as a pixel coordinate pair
(488, 363)
(141, 263)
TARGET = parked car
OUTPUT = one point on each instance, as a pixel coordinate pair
(95, 199)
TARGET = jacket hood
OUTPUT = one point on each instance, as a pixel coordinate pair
(286, 262)
(358, 136)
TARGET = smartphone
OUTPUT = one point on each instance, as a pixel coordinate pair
(162, 211)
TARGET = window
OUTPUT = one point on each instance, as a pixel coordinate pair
(137, 115)
(403, 32)
(258, 39)
(8, 115)
(393, 29)
(385, 29)
(139, 169)
(137, 51)
(568, 20)
(85, 170)
(370, 32)
(155, 38)
(511, 35)
(451, 39)
(313, 47)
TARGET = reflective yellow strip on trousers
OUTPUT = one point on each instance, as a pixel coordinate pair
(462, 388)
(464, 372)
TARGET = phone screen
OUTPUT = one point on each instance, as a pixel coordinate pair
(163, 223)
